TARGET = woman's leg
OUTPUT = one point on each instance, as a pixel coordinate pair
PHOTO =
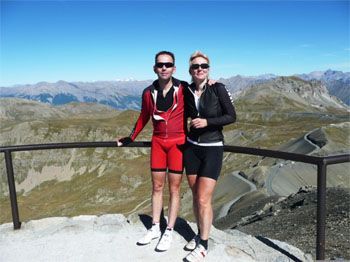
(192, 164)
(209, 173)
(192, 182)
(205, 189)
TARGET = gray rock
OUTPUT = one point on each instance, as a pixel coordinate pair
(113, 238)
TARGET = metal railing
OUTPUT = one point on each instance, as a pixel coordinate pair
(321, 162)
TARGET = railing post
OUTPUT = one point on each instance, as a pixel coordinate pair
(12, 190)
(321, 211)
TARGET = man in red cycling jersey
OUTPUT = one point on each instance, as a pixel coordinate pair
(163, 101)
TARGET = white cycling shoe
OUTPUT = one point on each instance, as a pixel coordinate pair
(197, 254)
(193, 243)
(165, 241)
(152, 233)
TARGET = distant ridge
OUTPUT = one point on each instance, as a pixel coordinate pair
(289, 95)
(126, 94)
(337, 82)
(121, 95)
(24, 110)
(239, 82)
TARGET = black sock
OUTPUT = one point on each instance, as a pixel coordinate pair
(204, 243)
(199, 232)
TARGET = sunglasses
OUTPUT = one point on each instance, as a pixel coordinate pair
(167, 65)
(196, 66)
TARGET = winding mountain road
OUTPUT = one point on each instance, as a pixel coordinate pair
(282, 164)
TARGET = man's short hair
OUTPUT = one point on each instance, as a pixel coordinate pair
(164, 53)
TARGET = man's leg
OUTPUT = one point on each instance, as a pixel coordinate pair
(158, 182)
(175, 166)
(174, 149)
(174, 198)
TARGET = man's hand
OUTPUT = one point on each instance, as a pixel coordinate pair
(199, 123)
(123, 141)
(211, 81)
(119, 143)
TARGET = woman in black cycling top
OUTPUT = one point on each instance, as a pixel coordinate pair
(210, 107)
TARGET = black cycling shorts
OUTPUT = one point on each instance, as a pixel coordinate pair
(204, 161)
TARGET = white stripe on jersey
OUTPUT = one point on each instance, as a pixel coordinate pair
(229, 94)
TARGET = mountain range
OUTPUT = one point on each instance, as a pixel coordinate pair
(337, 82)
(284, 113)
(121, 95)
(289, 95)
(124, 95)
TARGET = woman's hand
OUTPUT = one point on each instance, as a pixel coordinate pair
(199, 123)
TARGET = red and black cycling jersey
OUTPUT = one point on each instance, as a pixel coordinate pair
(166, 124)
(164, 103)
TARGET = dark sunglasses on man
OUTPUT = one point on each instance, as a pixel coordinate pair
(167, 65)
(203, 66)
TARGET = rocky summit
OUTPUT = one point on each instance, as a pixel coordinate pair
(113, 238)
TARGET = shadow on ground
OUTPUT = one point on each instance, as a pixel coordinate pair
(181, 226)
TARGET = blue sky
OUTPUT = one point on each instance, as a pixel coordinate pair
(91, 41)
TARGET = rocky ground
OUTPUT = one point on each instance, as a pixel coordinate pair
(293, 219)
(113, 237)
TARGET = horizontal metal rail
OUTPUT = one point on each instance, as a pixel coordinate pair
(321, 163)
(69, 145)
(328, 160)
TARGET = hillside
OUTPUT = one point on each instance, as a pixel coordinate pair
(289, 95)
(15, 109)
(92, 176)
(117, 180)
(337, 82)
(279, 218)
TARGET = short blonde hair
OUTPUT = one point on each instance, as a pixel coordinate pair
(195, 55)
